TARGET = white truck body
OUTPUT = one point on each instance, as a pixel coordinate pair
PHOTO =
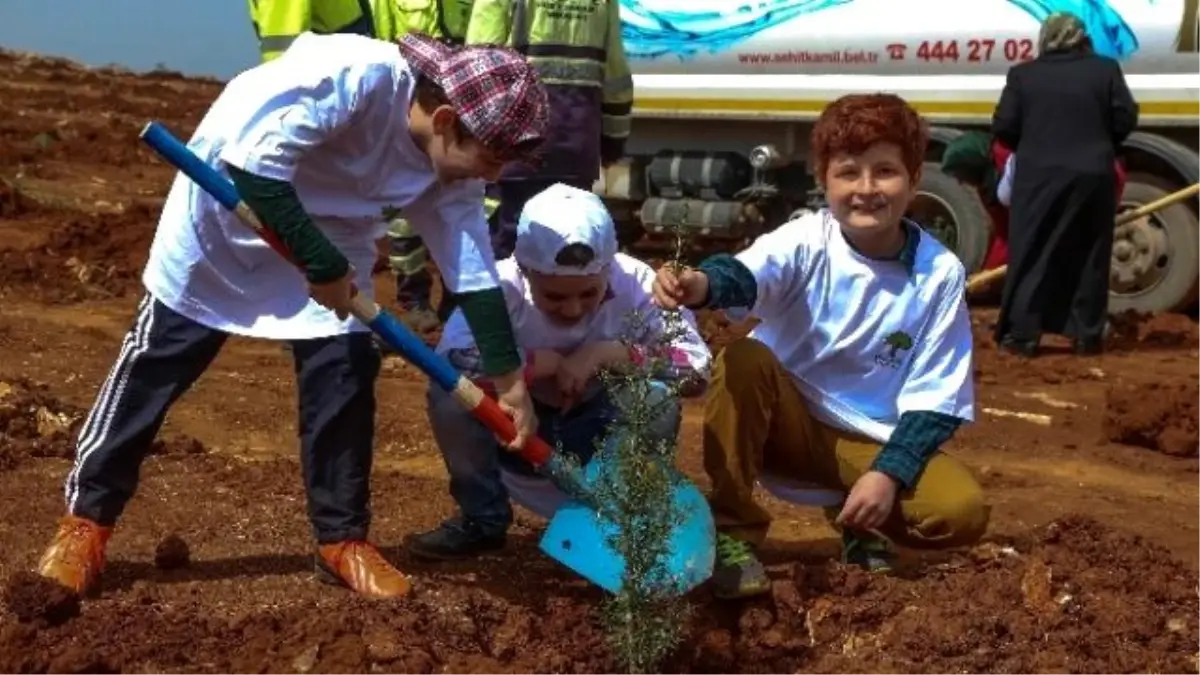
(948, 57)
(723, 85)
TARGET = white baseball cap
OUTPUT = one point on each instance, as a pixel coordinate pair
(557, 218)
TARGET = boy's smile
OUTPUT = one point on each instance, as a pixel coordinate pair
(868, 193)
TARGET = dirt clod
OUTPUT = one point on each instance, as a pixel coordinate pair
(34, 423)
(177, 446)
(32, 597)
(1132, 330)
(172, 553)
(92, 256)
(1157, 416)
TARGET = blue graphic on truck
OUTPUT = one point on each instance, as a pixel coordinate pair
(652, 33)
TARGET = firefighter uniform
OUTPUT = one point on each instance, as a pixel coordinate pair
(577, 51)
(278, 22)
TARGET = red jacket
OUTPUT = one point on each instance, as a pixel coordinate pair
(997, 253)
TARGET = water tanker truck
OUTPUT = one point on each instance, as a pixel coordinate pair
(727, 91)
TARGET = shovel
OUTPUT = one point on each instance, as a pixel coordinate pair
(577, 536)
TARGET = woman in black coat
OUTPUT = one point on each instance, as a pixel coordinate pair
(1065, 113)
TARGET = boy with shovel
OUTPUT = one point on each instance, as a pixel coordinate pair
(320, 143)
(571, 296)
(861, 366)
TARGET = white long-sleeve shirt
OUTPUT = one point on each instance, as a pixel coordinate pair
(331, 117)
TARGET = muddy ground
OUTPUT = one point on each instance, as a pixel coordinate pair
(1089, 463)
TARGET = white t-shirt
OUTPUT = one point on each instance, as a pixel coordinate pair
(331, 116)
(865, 340)
(630, 294)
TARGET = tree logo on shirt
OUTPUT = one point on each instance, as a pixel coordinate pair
(894, 343)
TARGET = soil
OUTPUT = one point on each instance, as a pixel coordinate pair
(1090, 562)
(1158, 416)
(172, 553)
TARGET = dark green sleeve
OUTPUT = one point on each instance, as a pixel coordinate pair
(277, 205)
(487, 316)
(917, 437)
(730, 282)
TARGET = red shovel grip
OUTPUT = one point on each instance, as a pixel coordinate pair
(488, 412)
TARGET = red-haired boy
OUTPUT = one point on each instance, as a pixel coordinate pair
(861, 366)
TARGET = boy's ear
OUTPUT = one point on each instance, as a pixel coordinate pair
(443, 119)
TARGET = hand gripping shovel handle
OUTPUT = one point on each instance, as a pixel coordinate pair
(484, 409)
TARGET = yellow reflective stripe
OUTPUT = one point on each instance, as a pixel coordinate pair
(574, 72)
(618, 87)
(616, 127)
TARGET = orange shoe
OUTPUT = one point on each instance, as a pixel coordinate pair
(75, 557)
(361, 567)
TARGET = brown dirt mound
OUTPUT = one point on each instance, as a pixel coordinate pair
(1132, 330)
(1158, 416)
(85, 256)
(33, 598)
(1057, 600)
(34, 424)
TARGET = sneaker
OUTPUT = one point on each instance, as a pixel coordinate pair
(1020, 347)
(738, 573)
(360, 566)
(75, 557)
(455, 539)
(867, 550)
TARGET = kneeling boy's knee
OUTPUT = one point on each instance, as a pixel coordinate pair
(745, 354)
(966, 514)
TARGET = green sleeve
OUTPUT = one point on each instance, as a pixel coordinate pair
(277, 205)
(487, 316)
(730, 282)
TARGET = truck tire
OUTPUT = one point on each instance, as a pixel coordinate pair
(1156, 265)
(953, 214)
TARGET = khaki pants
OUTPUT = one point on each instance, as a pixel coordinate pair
(755, 420)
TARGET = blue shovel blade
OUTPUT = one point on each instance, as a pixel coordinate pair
(579, 538)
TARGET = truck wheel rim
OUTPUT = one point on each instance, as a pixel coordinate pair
(1141, 254)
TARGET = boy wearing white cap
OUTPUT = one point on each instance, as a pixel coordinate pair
(571, 296)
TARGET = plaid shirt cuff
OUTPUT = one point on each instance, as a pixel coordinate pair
(916, 438)
(730, 282)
